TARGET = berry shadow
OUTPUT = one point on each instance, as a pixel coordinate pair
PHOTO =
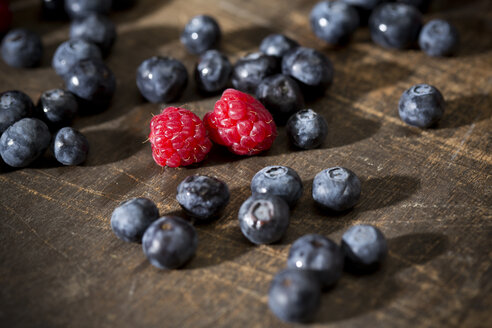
(465, 111)
(355, 295)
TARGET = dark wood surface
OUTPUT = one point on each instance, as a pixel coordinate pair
(429, 191)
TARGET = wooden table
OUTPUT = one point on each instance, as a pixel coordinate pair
(429, 191)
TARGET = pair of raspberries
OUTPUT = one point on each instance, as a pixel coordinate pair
(238, 121)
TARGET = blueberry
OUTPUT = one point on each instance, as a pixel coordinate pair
(318, 254)
(439, 38)
(212, 72)
(250, 70)
(294, 295)
(422, 105)
(132, 217)
(70, 52)
(281, 181)
(312, 69)
(84, 8)
(123, 4)
(281, 95)
(24, 141)
(202, 197)
(395, 25)
(70, 146)
(53, 9)
(57, 108)
(14, 105)
(336, 188)
(161, 79)
(364, 246)
(96, 29)
(201, 34)
(334, 22)
(93, 82)
(22, 48)
(277, 45)
(264, 218)
(307, 129)
(421, 5)
(169, 242)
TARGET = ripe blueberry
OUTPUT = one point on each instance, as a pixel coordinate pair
(281, 181)
(422, 105)
(96, 29)
(72, 51)
(201, 34)
(277, 45)
(307, 129)
(364, 247)
(336, 188)
(439, 38)
(250, 70)
(57, 108)
(84, 8)
(334, 22)
(212, 72)
(70, 146)
(132, 217)
(22, 48)
(14, 105)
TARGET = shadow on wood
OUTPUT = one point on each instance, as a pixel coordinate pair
(466, 110)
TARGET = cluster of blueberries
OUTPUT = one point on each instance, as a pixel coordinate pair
(314, 262)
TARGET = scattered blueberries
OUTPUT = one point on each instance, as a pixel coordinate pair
(439, 38)
(318, 254)
(250, 70)
(307, 129)
(281, 95)
(57, 108)
(277, 45)
(92, 82)
(84, 8)
(96, 29)
(422, 105)
(70, 146)
(395, 25)
(22, 48)
(264, 218)
(312, 69)
(281, 181)
(201, 34)
(24, 141)
(294, 295)
(336, 188)
(132, 217)
(212, 72)
(72, 51)
(161, 79)
(202, 197)
(14, 105)
(364, 246)
(334, 22)
(169, 242)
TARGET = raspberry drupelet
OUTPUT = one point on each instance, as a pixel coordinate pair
(178, 138)
(241, 123)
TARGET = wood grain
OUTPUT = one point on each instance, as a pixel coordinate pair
(429, 191)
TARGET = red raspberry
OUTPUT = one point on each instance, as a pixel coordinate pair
(5, 16)
(178, 138)
(241, 123)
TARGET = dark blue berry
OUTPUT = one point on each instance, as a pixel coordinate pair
(281, 95)
(281, 181)
(264, 218)
(307, 129)
(422, 105)
(318, 254)
(161, 79)
(169, 242)
(202, 197)
(421, 5)
(53, 9)
(92, 82)
(70, 146)
(364, 247)
(334, 22)
(250, 70)
(84, 8)
(24, 141)
(14, 105)
(336, 188)
(277, 45)
(395, 25)
(132, 217)
(22, 48)
(310, 68)
(212, 72)
(294, 295)
(57, 108)
(439, 38)
(96, 29)
(201, 34)
(123, 4)
(72, 51)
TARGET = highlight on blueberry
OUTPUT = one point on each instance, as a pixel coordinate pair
(57, 108)
(212, 72)
(277, 45)
(251, 69)
(202, 33)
